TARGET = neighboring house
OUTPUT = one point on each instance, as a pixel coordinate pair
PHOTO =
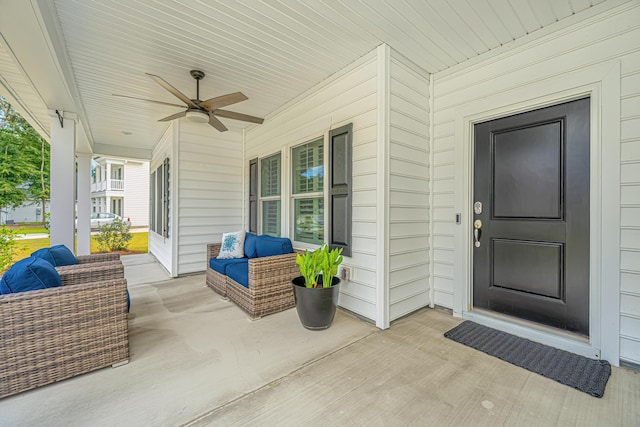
(27, 212)
(121, 187)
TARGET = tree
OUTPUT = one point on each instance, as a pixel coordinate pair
(24, 161)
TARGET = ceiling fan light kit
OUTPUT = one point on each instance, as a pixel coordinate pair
(201, 111)
(197, 116)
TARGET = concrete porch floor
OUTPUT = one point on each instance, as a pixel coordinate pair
(197, 360)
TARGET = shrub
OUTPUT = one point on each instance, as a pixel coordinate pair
(7, 247)
(114, 236)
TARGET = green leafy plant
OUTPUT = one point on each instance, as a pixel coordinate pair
(7, 248)
(323, 262)
(114, 236)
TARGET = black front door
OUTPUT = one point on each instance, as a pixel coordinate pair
(531, 194)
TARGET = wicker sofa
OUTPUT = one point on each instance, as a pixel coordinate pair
(56, 333)
(268, 289)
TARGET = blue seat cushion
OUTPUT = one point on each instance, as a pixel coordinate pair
(239, 273)
(270, 246)
(57, 256)
(221, 265)
(250, 241)
(29, 274)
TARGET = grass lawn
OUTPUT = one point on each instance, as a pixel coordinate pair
(138, 244)
(31, 230)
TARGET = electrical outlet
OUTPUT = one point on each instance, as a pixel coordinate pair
(345, 274)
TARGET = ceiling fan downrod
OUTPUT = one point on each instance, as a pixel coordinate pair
(198, 75)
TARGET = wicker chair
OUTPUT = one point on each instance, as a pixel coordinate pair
(53, 334)
(270, 289)
(84, 259)
(92, 271)
(215, 280)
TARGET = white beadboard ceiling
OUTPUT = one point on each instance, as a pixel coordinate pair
(271, 50)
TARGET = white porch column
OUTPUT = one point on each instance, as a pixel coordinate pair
(63, 179)
(84, 204)
(108, 182)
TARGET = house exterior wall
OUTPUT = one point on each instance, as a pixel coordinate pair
(162, 248)
(350, 96)
(409, 202)
(27, 212)
(136, 193)
(612, 38)
(210, 198)
(133, 190)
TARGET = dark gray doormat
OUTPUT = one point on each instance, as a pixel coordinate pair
(579, 372)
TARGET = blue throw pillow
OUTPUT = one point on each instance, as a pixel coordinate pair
(250, 241)
(57, 256)
(270, 246)
(29, 274)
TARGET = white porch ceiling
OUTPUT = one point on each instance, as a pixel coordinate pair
(271, 50)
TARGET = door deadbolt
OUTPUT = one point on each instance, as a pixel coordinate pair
(477, 208)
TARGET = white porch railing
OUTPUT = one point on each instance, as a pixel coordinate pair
(109, 185)
(117, 185)
(99, 186)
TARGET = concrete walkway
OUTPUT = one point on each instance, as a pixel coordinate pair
(197, 360)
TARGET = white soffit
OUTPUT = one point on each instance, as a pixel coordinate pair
(272, 51)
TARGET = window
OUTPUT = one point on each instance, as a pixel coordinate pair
(270, 203)
(159, 199)
(307, 168)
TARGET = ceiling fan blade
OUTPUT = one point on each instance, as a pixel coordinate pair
(216, 123)
(174, 116)
(238, 116)
(223, 101)
(149, 100)
(181, 96)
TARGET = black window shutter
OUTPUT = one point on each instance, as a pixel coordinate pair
(340, 166)
(253, 195)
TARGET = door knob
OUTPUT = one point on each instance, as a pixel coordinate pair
(477, 225)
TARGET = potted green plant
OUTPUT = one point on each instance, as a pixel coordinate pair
(317, 298)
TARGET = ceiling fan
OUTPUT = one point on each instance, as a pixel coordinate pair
(201, 111)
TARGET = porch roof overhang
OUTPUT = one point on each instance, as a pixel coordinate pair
(73, 56)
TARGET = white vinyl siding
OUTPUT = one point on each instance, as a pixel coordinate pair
(347, 97)
(136, 193)
(161, 247)
(613, 36)
(209, 191)
(408, 188)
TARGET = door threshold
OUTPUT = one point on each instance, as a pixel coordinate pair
(547, 335)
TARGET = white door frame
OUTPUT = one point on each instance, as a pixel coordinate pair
(602, 84)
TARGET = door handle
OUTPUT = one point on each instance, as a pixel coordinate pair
(477, 225)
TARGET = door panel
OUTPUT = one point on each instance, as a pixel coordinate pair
(524, 160)
(533, 267)
(531, 174)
